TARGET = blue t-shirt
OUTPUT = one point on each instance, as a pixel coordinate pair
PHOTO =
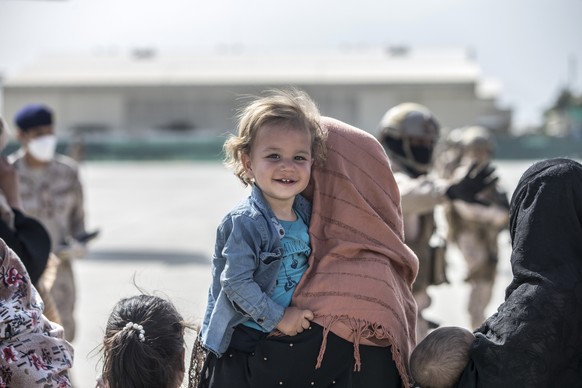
(296, 252)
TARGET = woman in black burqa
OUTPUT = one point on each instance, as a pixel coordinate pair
(535, 338)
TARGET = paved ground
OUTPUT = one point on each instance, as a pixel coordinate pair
(158, 222)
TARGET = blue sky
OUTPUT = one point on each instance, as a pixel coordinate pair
(533, 47)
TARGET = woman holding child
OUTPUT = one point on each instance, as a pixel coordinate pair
(356, 288)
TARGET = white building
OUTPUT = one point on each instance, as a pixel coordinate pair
(145, 92)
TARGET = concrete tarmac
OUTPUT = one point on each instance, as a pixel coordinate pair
(158, 223)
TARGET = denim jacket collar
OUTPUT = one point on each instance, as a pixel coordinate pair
(260, 202)
(302, 205)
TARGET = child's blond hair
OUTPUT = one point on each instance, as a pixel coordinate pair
(292, 106)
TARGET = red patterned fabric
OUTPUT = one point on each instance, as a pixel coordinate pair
(33, 351)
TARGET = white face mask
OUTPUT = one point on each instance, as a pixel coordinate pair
(43, 148)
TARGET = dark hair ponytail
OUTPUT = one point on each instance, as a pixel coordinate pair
(152, 359)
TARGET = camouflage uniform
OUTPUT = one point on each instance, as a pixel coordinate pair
(54, 195)
(400, 129)
(419, 198)
(475, 227)
(409, 133)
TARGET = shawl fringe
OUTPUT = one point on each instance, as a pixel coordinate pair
(362, 329)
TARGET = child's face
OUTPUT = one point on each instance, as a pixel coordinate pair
(280, 162)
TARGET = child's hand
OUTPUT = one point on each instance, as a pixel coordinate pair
(294, 321)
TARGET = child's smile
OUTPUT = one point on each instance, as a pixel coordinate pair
(280, 163)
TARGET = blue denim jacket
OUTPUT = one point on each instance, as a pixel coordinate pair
(245, 264)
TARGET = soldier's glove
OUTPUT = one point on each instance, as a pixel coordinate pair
(477, 179)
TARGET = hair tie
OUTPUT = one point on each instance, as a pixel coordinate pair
(136, 327)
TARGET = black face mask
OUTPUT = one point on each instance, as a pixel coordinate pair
(421, 154)
(394, 145)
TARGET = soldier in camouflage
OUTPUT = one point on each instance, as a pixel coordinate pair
(409, 133)
(475, 227)
(51, 192)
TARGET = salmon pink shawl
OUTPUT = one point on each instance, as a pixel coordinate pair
(360, 273)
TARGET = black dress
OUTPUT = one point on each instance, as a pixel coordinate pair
(283, 361)
(535, 338)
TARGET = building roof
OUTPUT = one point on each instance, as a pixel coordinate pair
(146, 67)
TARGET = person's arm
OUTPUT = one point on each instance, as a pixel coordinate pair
(294, 321)
(9, 184)
(72, 246)
(420, 195)
(242, 252)
(493, 214)
(77, 214)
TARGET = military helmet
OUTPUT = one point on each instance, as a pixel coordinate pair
(454, 137)
(477, 137)
(410, 131)
(409, 119)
